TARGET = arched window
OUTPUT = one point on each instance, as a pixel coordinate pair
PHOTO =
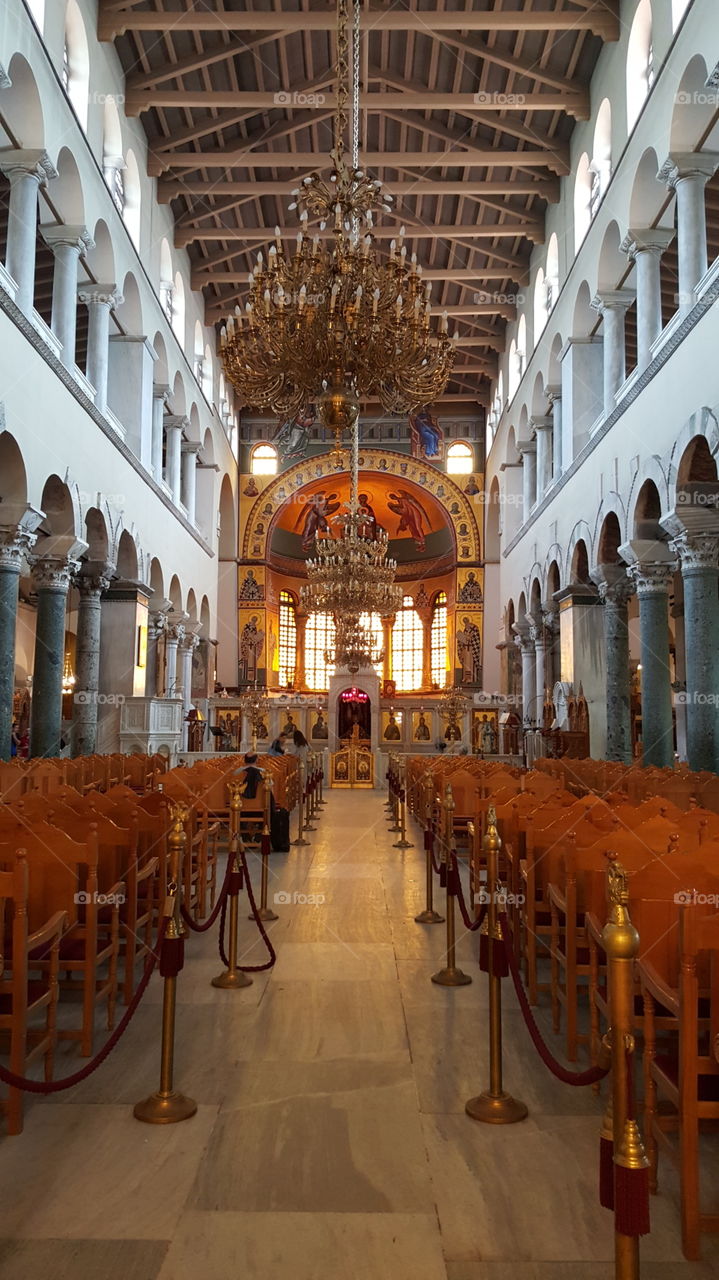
(512, 377)
(288, 640)
(407, 648)
(460, 459)
(319, 635)
(640, 62)
(439, 640)
(37, 13)
(551, 282)
(372, 624)
(582, 200)
(76, 62)
(263, 461)
(679, 8)
(540, 305)
(131, 213)
(178, 310)
(601, 166)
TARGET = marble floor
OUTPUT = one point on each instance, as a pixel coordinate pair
(330, 1139)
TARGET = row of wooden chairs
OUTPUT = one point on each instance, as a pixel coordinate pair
(557, 840)
(79, 908)
(84, 773)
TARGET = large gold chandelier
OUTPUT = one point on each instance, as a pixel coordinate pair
(333, 315)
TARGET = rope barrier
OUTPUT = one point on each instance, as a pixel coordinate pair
(208, 923)
(248, 968)
(593, 1074)
(457, 889)
(57, 1086)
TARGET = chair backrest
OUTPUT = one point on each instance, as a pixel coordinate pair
(61, 870)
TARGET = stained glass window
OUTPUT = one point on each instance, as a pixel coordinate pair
(407, 648)
(439, 640)
(319, 635)
(288, 639)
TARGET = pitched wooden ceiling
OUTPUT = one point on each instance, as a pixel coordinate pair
(466, 115)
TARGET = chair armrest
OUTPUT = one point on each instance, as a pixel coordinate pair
(664, 995)
(557, 897)
(53, 928)
(148, 870)
(594, 929)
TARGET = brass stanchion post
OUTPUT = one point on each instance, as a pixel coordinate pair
(301, 810)
(403, 842)
(394, 811)
(450, 976)
(320, 780)
(621, 943)
(429, 915)
(265, 912)
(495, 1106)
(167, 1106)
(308, 799)
(233, 979)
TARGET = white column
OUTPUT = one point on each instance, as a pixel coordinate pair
(190, 450)
(540, 638)
(26, 170)
(174, 636)
(613, 307)
(160, 393)
(542, 431)
(554, 395)
(645, 248)
(175, 424)
(525, 645)
(688, 176)
(99, 300)
(67, 243)
(528, 450)
(187, 648)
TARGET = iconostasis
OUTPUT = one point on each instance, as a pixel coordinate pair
(434, 525)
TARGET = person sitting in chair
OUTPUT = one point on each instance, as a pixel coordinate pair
(253, 777)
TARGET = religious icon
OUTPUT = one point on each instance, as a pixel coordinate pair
(412, 516)
(392, 725)
(314, 517)
(470, 592)
(289, 727)
(251, 641)
(485, 732)
(250, 490)
(453, 731)
(469, 651)
(251, 589)
(427, 435)
(368, 527)
(320, 728)
(421, 731)
(471, 487)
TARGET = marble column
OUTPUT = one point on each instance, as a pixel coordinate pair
(188, 477)
(188, 645)
(67, 243)
(174, 426)
(387, 625)
(160, 395)
(613, 307)
(525, 645)
(528, 450)
(155, 628)
(543, 435)
(51, 574)
(615, 591)
(26, 170)
(174, 635)
(653, 584)
(699, 558)
(554, 395)
(688, 175)
(15, 542)
(99, 300)
(301, 617)
(541, 643)
(93, 579)
(645, 248)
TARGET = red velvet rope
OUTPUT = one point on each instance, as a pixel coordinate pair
(56, 1086)
(247, 968)
(208, 923)
(469, 923)
(593, 1074)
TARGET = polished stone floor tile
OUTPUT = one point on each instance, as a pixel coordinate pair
(70, 1259)
(335, 962)
(78, 1169)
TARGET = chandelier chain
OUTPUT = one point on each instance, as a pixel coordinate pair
(342, 76)
(355, 84)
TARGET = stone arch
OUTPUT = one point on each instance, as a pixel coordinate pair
(156, 580)
(609, 539)
(128, 566)
(101, 258)
(160, 374)
(205, 618)
(553, 575)
(13, 476)
(191, 606)
(97, 535)
(539, 397)
(584, 317)
(579, 554)
(694, 107)
(227, 549)
(178, 397)
(21, 105)
(78, 58)
(648, 195)
(582, 200)
(613, 510)
(60, 505)
(175, 594)
(512, 452)
(492, 523)
(601, 163)
(652, 469)
(703, 423)
(67, 193)
(554, 369)
(612, 264)
(129, 311)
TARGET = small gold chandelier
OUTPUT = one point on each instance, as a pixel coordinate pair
(354, 647)
(453, 705)
(254, 705)
(334, 315)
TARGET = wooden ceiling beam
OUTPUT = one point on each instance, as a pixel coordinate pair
(470, 158)
(170, 189)
(139, 80)
(533, 231)
(137, 101)
(599, 20)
